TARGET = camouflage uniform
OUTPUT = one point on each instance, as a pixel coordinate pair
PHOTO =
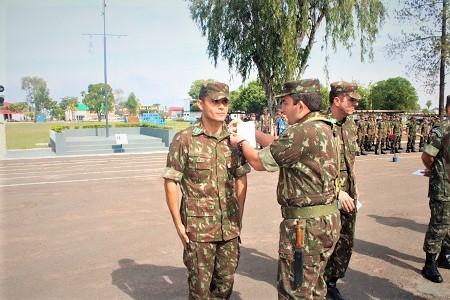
(437, 239)
(437, 235)
(411, 132)
(397, 132)
(338, 263)
(361, 133)
(388, 132)
(371, 125)
(306, 155)
(264, 122)
(205, 167)
(381, 136)
(423, 131)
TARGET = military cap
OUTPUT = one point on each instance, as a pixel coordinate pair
(350, 88)
(216, 90)
(305, 86)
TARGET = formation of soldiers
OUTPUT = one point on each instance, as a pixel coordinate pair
(385, 133)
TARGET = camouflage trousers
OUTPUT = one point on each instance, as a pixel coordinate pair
(437, 236)
(381, 140)
(360, 141)
(423, 140)
(338, 263)
(320, 237)
(411, 142)
(211, 267)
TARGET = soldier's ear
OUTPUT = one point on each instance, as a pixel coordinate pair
(200, 104)
(336, 101)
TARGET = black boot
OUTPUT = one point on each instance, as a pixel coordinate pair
(376, 150)
(430, 270)
(332, 291)
(363, 153)
(382, 152)
(443, 260)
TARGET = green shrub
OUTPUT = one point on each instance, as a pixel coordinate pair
(59, 128)
(179, 120)
(96, 126)
(120, 125)
(155, 126)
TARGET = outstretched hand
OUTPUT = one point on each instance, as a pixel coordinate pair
(232, 126)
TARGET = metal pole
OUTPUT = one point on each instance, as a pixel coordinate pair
(105, 91)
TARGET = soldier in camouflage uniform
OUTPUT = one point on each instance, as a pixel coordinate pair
(212, 177)
(361, 134)
(423, 133)
(380, 135)
(264, 121)
(411, 132)
(344, 98)
(436, 159)
(388, 132)
(371, 127)
(306, 155)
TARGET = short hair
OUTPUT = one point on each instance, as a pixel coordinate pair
(333, 94)
(312, 100)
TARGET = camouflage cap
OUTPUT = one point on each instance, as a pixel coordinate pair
(216, 90)
(349, 88)
(305, 86)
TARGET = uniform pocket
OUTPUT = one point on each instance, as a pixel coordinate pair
(199, 166)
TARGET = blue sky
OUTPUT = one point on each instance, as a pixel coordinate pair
(162, 54)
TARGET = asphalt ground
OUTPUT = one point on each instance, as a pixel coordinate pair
(97, 227)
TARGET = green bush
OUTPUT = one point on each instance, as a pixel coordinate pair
(179, 120)
(59, 128)
(96, 126)
(120, 125)
(155, 126)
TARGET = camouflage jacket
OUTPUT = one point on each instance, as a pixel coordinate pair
(264, 122)
(381, 127)
(362, 128)
(439, 148)
(423, 129)
(412, 128)
(397, 128)
(206, 166)
(347, 132)
(371, 127)
(306, 154)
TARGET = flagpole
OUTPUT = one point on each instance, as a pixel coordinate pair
(105, 89)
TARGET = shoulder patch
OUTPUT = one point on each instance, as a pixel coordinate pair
(197, 130)
(437, 131)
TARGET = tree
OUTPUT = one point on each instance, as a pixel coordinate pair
(364, 92)
(394, 93)
(250, 98)
(195, 87)
(37, 93)
(19, 106)
(56, 111)
(94, 99)
(277, 36)
(132, 103)
(428, 104)
(426, 44)
(119, 104)
(70, 103)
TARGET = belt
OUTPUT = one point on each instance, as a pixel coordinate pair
(307, 212)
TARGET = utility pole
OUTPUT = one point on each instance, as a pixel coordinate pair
(105, 89)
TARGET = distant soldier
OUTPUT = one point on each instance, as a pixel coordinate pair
(411, 133)
(395, 131)
(380, 135)
(400, 135)
(436, 159)
(388, 132)
(371, 127)
(424, 130)
(361, 134)
(264, 121)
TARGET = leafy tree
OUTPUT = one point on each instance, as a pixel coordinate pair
(364, 92)
(250, 98)
(19, 106)
(425, 44)
(56, 110)
(394, 93)
(195, 87)
(132, 104)
(37, 93)
(428, 104)
(119, 101)
(194, 107)
(94, 99)
(69, 103)
(277, 36)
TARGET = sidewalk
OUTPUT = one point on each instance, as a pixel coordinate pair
(28, 153)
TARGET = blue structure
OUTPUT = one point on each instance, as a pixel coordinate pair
(41, 118)
(153, 118)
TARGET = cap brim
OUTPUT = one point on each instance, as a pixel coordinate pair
(281, 95)
(355, 95)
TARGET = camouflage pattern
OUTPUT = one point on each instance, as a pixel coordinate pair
(205, 167)
(437, 235)
(370, 129)
(306, 155)
(397, 128)
(300, 86)
(381, 134)
(216, 90)
(423, 132)
(338, 263)
(211, 268)
(411, 132)
(389, 125)
(361, 132)
(349, 88)
(264, 122)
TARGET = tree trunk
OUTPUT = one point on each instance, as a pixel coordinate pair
(267, 84)
(443, 59)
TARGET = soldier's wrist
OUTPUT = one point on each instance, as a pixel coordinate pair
(239, 144)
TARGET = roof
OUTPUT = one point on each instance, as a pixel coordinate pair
(176, 108)
(9, 112)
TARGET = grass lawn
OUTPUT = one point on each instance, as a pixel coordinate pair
(28, 135)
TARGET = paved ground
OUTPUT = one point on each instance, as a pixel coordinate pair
(97, 227)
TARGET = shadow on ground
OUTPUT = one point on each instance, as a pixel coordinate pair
(400, 222)
(147, 281)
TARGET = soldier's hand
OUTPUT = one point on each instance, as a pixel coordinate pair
(426, 172)
(181, 230)
(233, 125)
(235, 139)
(347, 202)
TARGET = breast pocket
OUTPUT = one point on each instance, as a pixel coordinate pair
(200, 166)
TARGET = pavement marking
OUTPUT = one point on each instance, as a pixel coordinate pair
(77, 180)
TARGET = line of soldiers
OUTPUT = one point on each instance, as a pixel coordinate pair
(386, 133)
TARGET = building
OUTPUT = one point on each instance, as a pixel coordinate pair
(7, 115)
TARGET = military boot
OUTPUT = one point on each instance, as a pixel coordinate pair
(430, 270)
(443, 260)
(382, 151)
(407, 149)
(376, 150)
(333, 292)
(363, 153)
